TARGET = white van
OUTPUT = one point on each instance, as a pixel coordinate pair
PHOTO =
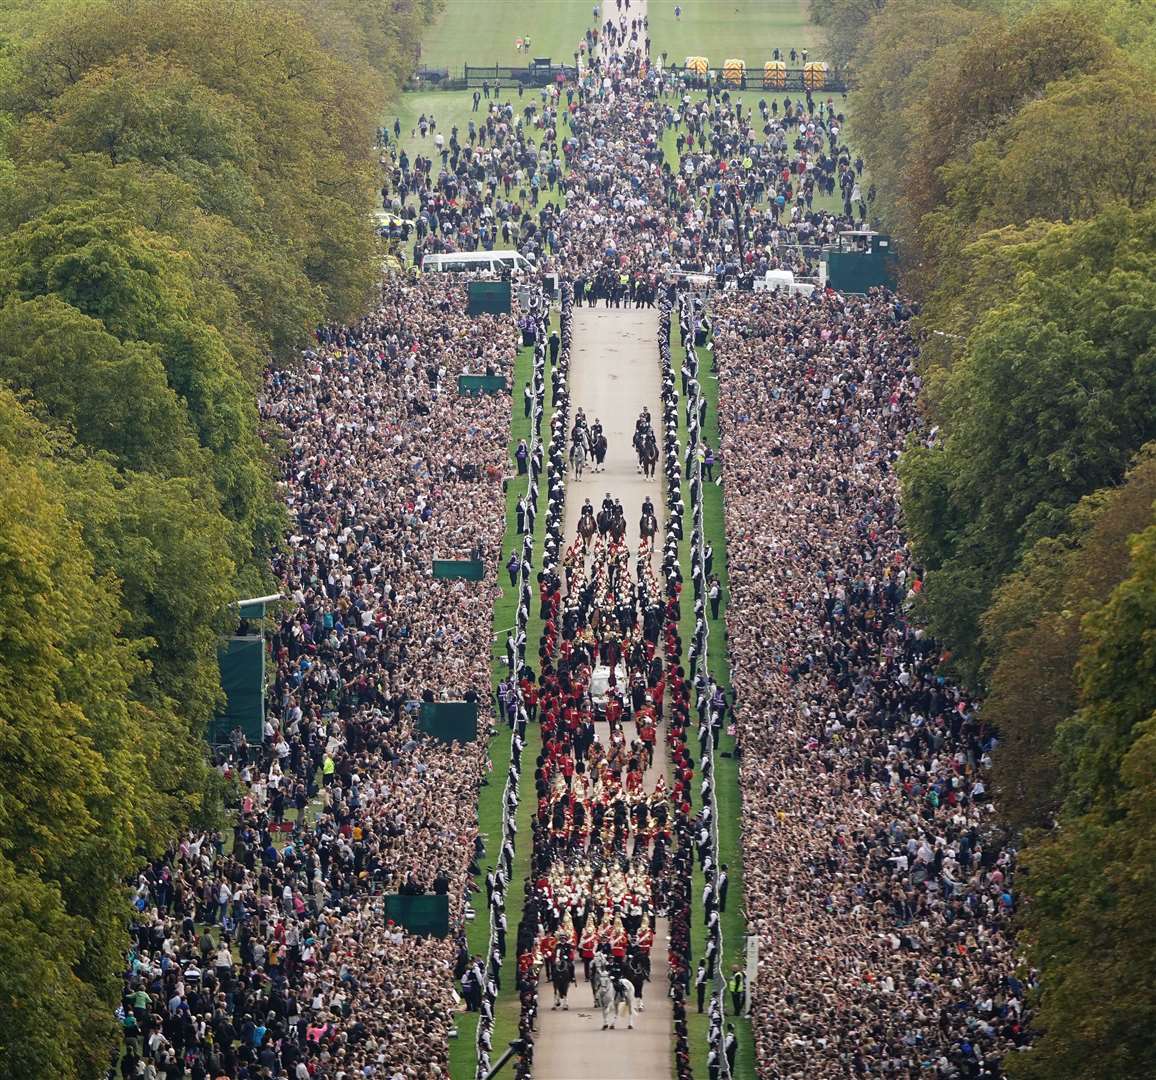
(774, 280)
(473, 262)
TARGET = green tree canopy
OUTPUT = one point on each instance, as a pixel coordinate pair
(1032, 632)
(902, 50)
(185, 188)
(70, 807)
(1053, 394)
(1091, 922)
(140, 288)
(114, 395)
(238, 99)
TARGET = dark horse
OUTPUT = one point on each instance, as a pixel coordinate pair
(600, 453)
(563, 976)
(648, 454)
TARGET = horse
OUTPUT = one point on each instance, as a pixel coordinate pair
(633, 972)
(604, 1000)
(578, 458)
(648, 454)
(598, 973)
(600, 453)
(623, 1000)
(613, 996)
(562, 978)
(587, 527)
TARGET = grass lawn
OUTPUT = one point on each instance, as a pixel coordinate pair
(727, 793)
(721, 29)
(483, 32)
(451, 108)
(462, 1050)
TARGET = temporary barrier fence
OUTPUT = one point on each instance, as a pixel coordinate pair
(812, 78)
(535, 74)
(815, 77)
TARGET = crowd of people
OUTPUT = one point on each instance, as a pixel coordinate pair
(626, 174)
(732, 198)
(490, 186)
(877, 881)
(267, 952)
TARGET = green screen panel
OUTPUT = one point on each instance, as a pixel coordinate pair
(481, 384)
(450, 721)
(470, 569)
(242, 664)
(489, 298)
(419, 914)
(856, 271)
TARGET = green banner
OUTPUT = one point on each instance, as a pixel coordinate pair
(473, 385)
(469, 569)
(419, 914)
(450, 721)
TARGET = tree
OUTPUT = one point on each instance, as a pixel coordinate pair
(1131, 24)
(114, 395)
(1055, 160)
(140, 287)
(1055, 391)
(844, 23)
(185, 187)
(99, 263)
(275, 303)
(1032, 632)
(1061, 161)
(70, 807)
(1091, 920)
(39, 950)
(937, 80)
(988, 79)
(169, 548)
(902, 49)
(273, 131)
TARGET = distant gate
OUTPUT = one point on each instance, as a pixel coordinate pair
(538, 73)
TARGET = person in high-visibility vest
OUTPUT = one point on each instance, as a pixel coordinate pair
(737, 985)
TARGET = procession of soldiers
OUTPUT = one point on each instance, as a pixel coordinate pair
(602, 836)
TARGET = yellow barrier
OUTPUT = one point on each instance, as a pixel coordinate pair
(775, 75)
(815, 75)
(734, 71)
(697, 65)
